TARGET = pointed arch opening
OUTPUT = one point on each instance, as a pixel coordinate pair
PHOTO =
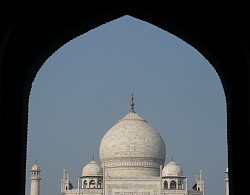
(130, 70)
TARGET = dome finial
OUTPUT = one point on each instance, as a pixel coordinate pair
(132, 103)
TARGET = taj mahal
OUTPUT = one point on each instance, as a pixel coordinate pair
(132, 156)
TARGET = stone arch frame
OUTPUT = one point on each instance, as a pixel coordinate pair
(32, 31)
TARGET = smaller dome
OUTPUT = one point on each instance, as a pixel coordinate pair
(172, 169)
(92, 169)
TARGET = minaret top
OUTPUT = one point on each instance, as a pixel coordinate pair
(35, 167)
(200, 175)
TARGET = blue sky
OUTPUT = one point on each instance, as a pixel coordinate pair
(85, 87)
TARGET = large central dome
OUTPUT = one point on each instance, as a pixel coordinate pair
(132, 142)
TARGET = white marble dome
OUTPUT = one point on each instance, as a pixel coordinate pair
(172, 169)
(132, 137)
(92, 169)
(132, 142)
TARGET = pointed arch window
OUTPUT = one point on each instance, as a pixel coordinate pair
(92, 184)
(172, 185)
(85, 184)
(99, 185)
(179, 185)
(165, 185)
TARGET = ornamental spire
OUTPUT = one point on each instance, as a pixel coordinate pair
(132, 103)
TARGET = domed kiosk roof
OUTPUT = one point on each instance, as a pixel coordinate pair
(35, 167)
(132, 138)
(172, 169)
(92, 169)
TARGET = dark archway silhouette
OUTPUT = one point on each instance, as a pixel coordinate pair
(32, 31)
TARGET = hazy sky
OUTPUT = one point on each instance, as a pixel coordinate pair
(85, 87)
